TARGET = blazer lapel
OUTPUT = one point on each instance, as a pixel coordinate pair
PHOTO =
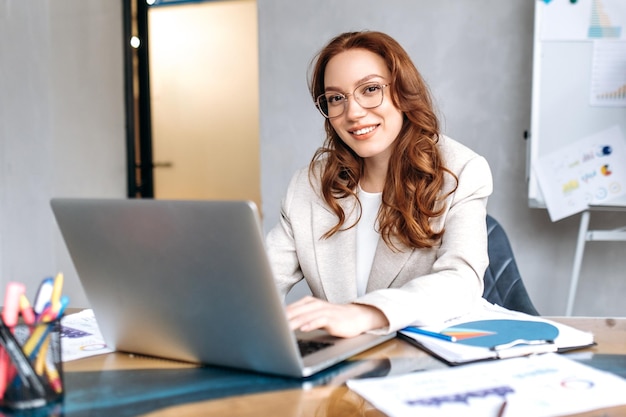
(387, 265)
(335, 256)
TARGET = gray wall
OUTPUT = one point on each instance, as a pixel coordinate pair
(62, 121)
(61, 127)
(477, 57)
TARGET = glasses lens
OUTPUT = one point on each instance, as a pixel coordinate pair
(333, 104)
(322, 105)
(369, 95)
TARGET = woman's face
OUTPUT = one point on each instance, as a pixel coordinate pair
(368, 132)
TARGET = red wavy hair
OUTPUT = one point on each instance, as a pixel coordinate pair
(415, 176)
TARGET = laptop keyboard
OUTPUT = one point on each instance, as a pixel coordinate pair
(311, 346)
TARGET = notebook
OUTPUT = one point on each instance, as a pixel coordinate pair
(190, 281)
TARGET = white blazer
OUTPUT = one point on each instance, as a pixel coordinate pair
(413, 286)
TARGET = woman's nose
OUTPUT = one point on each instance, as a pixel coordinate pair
(353, 108)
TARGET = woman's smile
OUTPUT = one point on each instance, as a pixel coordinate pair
(362, 132)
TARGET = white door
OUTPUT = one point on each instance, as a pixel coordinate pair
(204, 90)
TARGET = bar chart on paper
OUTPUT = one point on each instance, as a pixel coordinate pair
(603, 23)
(608, 82)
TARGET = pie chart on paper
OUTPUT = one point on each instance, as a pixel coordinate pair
(488, 333)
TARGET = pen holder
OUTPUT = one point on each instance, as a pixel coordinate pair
(31, 369)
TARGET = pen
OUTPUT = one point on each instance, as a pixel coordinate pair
(40, 360)
(54, 378)
(53, 311)
(502, 409)
(418, 330)
(43, 296)
(33, 343)
(23, 366)
(27, 311)
(57, 287)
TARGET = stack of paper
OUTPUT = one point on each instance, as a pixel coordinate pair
(493, 332)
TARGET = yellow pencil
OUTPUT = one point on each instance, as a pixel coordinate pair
(57, 289)
(54, 378)
(35, 338)
(40, 362)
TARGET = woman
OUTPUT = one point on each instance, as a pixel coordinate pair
(387, 224)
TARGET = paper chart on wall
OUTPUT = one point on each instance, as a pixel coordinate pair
(582, 20)
(608, 74)
(591, 170)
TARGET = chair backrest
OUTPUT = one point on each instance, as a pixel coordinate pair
(503, 282)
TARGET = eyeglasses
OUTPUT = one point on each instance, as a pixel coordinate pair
(333, 104)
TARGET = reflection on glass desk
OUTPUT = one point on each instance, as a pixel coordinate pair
(120, 384)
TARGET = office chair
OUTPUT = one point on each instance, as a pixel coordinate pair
(503, 282)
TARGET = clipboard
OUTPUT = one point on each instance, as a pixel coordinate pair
(493, 332)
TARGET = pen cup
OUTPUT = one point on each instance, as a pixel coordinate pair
(31, 369)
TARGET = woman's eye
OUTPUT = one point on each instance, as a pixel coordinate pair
(335, 99)
(371, 89)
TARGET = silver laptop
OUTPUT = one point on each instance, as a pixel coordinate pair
(191, 281)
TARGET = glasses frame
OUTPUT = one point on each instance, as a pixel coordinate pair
(346, 95)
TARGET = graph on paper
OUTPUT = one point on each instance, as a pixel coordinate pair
(583, 20)
(608, 79)
(603, 21)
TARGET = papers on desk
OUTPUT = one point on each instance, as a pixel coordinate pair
(81, 337)
(538, 385)
(485, 334)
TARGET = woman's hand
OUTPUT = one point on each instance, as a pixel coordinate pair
(341, 320)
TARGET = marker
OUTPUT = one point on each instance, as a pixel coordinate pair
(44, 294)
(51, 309)
(418, 330)
(34, 342)
(19, 359)
(10, 313)
(54, 310)
(4, 367)
(27, 312)
(11, 309)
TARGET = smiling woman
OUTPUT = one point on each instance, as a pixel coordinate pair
(387, 223)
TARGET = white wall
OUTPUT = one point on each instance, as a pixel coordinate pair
(61, 126)
(477, 57)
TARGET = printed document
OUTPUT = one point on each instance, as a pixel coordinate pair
(81, 337)
(539, 386)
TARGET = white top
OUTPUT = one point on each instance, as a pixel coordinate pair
(367, 237)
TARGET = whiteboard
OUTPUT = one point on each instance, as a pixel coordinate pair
(579, 77)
